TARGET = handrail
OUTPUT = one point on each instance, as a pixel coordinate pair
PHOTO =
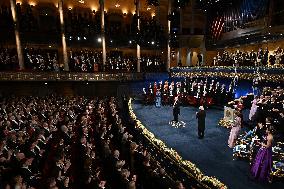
(69, 76)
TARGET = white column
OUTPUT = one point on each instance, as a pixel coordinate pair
(188, 57)
(102, 7)
(63, 38)
(169, 32)
(138, 49)
(17, 35)
(180, 34)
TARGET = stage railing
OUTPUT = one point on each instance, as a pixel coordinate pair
(64, 76)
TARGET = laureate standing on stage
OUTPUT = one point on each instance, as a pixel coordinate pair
(176, 109)
(200, 115)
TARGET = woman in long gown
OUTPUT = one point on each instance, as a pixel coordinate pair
(235, 131)
(253, 109)
(262, 165)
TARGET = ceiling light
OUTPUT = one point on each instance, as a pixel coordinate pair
(99, 40)
(81, 1)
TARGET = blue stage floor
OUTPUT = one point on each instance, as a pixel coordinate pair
(211, 154)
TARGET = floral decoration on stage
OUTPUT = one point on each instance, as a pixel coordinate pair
(187, 166)
(225, 123)
(177, 124)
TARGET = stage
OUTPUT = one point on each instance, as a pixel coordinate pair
(211, 154)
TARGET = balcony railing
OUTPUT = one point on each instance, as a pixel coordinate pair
(38, 76)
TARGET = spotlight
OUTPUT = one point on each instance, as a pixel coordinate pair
(85, 38)
(78, 38)
(49, 46)
(99, 40)
(45, 83)
(130, 42)
(111, 41)
(152, 42)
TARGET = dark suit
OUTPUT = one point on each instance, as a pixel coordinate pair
(176, 110)
(201, 123)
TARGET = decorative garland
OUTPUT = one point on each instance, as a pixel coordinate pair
(245, 76)
(193, 171)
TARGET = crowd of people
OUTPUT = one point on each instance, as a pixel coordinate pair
(42, 60)
(191, 91)
(38, 59)
(91, 61)
(8, 59)
(262, 57)
(73, 142)
(263, 144)
(85, 61)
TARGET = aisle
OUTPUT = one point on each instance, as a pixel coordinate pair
(211, 154)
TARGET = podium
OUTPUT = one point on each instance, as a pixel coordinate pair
(229, 114)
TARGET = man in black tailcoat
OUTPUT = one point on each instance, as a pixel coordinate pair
(176, 109)
(200, 115)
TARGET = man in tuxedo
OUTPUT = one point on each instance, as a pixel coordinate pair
(176, 109)
(200, 115)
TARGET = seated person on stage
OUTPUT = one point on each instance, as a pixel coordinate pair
(246, 142)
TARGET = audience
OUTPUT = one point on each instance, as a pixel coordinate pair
(242, 58)
(266, 112)
(41, 138)
(8, 59)
(42, 60)
(194, 91)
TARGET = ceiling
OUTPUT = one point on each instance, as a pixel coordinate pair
(124, 5)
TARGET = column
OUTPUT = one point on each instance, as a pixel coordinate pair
(102, 8)
(188, 57)
(138, 50)
(17, 35)
(169, 34)
(63, 38)
(180, 36)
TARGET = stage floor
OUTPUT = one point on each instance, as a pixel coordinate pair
(211, 154)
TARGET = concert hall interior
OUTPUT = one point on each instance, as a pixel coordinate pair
(142, 94)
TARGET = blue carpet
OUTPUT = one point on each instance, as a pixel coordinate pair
(211, 154)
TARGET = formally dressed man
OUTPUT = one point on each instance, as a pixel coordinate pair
(176, 108)
(200, 115)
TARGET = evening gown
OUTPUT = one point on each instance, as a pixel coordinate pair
(235, 132)
(262, 165)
